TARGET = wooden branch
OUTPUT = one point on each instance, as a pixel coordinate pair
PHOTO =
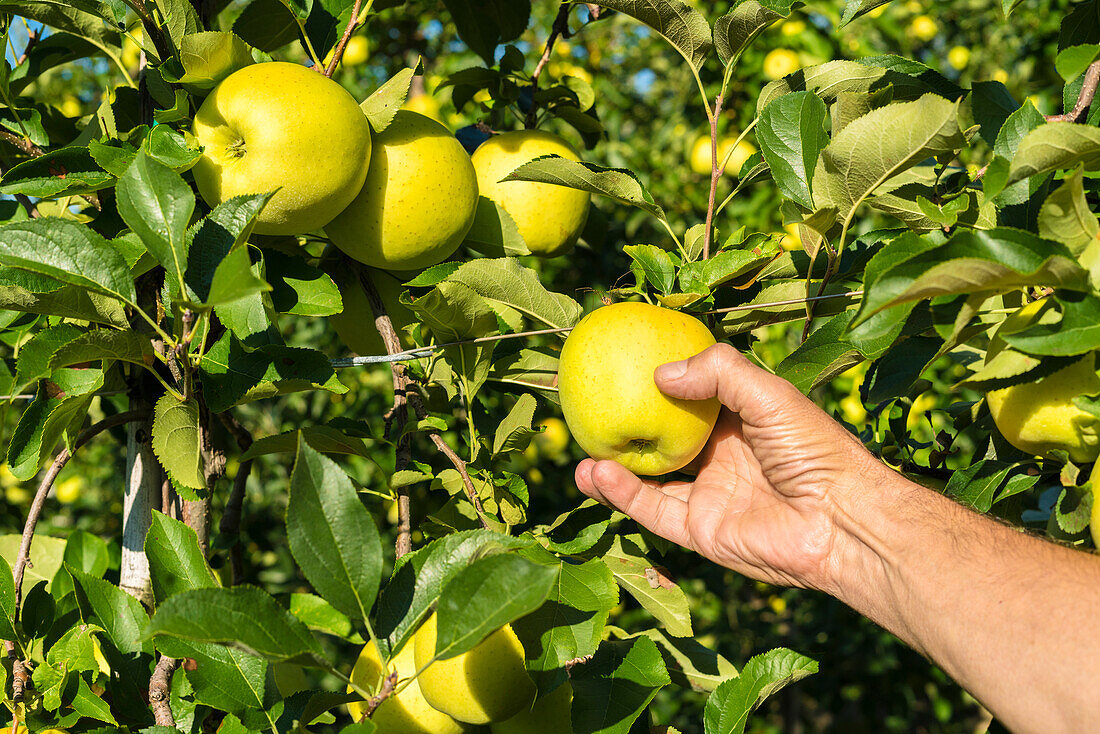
(32, 39)
(20, 673)
(388, 687)
(399, 414)
(1084, 100)
(230, 525)
(338, 52)
(160, 688)
(560, 29)
(22, 559)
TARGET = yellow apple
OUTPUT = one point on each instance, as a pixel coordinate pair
(403, 713)
(357, 51)
(486, 684)
(780, 62)
(551, 714)
(741, 153)
(418, 201)
(550, 218)
(355, 324)
(610, 402)
(282, 126)
(554, 438)
(1039, 417)
(701, 156)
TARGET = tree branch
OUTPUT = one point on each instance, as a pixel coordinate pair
(1084, 100)
(23, 557)
(560, 29)
(338, 52)
(388, 687)
(230, 525)
(33, 151)
(399, 414)
(160, 687)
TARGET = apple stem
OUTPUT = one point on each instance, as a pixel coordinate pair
(338, 54)
(715, 175)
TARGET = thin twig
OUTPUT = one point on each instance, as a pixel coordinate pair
(560, 29)
(160, 687)
(32, 39)
(1084, 100)
(20, 673)
(338, 53)
(455, 459)
(399, 414)
(388, 687)
(715, 176)
(21, 560)
(230, 525)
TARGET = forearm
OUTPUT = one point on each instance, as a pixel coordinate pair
(1014, 619)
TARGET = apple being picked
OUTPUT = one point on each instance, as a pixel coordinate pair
(609, 398)
(280, 126)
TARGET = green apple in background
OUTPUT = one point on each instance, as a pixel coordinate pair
(282, 126)
(488, 683)
(550, 218)
(418, 201)
(611, 404)
(551, 714)
(355, 324)
(403, 713)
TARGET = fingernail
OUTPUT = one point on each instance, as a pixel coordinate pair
(671, 371)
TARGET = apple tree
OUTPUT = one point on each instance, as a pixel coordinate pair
(940, 236)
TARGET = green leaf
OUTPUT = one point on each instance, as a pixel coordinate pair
(420, 577)
(45, 559)
(652, 264)
(494, 232)
(736, 30)
(232, 375)
(210, 56)
(223, 231)
(823, 356)
(970, 261)
(570, 624)
(7, 602)
(69, 171)
(121, 615)
(382, 106)
(1066, 217)
(485, 24)
(326, 439)
(104, 344)
(515, 432)
(528, 369)
(59, 408)
(301, 289)
(222, 677)
(791, 133)
(652, 589)
(157, 205)
(677, 22)
(505, 282)
(1071, 62)
(318, 614)
(855, 8)
(689, 663)
(75, 648)
(851, 167)
(177, 440)
(68, 16)
(331, 534)
(1056, 146)
(89, 705)
(176, 562)
(728, 708)
(34, 356)
(834, 78)
(1077, 332)
(614, 688)
(242, 617)
(67, 252)
(486, 595)
(615, 183)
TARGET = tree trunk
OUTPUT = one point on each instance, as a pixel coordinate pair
(143, 493)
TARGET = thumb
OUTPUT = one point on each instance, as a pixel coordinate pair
(723, 372)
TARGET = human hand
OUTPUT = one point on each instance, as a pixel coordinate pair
(766, 499)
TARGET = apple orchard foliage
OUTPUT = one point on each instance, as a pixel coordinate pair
(150, 298)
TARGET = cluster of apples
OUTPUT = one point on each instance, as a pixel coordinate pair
(399, 200)
(486, 686)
